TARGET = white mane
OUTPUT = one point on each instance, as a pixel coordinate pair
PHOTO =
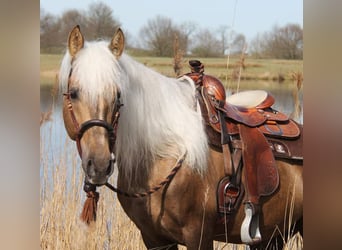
(158, 118)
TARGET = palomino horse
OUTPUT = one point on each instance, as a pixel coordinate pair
(159, 127)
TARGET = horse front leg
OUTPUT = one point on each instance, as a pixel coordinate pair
(158, 243)
(198, 236)
(202, 245)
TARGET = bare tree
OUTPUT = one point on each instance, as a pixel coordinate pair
(288, 42)
(238, 43)
(49, 28)
(158, 36)
(100, 21)
(186, 30)
(209, 43)
(257, 46)
(206, 44)
(224, 39)
(68, 20)
(282, 42)
(97, 22)
(159, 33)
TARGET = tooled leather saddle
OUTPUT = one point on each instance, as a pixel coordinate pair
(247, 128)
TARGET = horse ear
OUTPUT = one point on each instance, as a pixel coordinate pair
(75, 41)
(118, 43)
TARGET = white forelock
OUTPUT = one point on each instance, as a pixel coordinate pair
(94, 70)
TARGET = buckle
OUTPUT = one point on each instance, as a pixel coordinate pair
(231, 193)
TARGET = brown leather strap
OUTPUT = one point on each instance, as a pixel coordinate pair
(226, 144)
(226, 160)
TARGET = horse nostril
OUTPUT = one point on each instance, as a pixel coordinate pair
(89, 163)
(98, 168)
(90, 167)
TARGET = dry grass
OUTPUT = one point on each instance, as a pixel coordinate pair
(297, 78)
(177, 57)
(61, 204)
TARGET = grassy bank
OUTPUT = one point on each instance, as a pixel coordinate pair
(252, 69)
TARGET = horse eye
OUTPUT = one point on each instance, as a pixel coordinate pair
(73, 93)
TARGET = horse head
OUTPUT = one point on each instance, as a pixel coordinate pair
(92, 102)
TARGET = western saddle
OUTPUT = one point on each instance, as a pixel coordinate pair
(245, 127)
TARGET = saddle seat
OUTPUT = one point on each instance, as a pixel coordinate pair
(251, 99)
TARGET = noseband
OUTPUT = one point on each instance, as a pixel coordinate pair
(110, 127)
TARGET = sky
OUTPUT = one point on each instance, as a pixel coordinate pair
(248, 17)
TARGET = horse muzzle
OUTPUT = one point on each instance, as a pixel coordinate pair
(97, 171)
(97, 167)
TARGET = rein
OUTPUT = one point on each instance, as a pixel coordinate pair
(90, 205)
(154, 189)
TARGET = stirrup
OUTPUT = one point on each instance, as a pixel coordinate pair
(250, 232)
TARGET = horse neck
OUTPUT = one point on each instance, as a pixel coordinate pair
(157, 121)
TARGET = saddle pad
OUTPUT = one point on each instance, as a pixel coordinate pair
(288, 148)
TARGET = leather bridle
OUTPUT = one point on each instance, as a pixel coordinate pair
(110, 127)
